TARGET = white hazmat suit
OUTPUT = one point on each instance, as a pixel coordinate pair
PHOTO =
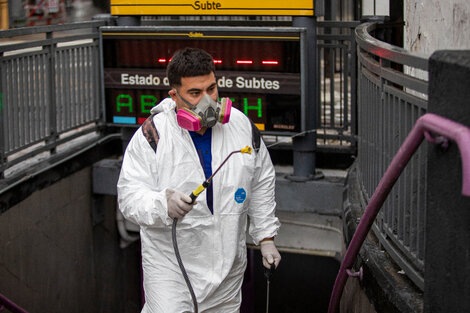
(212, 246)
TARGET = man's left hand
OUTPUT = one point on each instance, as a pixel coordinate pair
(270, 254)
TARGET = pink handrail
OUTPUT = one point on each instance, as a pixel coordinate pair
(9, 305)
(426, 126)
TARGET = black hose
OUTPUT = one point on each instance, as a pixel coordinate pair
(180, 263)
(193, 197)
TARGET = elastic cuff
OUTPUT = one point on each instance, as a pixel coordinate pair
(267, 239)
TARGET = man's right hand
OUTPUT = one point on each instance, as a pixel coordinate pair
(178, 203)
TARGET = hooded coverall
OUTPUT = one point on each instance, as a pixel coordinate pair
(212, 246)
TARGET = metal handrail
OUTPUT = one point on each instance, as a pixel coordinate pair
(336, 86)
(387, 51)
(24, 31)
(392, 95)
(435, 129)
(37, 77)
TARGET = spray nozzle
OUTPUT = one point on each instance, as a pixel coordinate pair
(247, 149)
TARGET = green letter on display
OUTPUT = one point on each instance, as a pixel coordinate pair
(147, 102)
(124, 104)
(247, 107)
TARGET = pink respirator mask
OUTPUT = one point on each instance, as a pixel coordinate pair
(205, 114)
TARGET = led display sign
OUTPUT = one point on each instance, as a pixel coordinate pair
(259, 69)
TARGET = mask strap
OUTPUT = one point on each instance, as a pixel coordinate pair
(192, 107)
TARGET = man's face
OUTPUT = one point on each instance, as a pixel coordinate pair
(192, 89)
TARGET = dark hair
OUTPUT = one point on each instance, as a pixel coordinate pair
(189, 62)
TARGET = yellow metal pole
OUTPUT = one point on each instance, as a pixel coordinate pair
(4, 14)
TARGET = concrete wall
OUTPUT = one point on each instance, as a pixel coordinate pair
(52, 258)
(435, 24)
(447, 210)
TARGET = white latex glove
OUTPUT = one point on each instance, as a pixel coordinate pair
(179, 204)
(270, 254)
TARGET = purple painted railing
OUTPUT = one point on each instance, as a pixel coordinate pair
(9, 305)
(434, 128)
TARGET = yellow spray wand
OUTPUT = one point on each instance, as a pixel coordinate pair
(206, 183)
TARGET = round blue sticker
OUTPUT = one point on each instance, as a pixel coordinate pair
(240, 195)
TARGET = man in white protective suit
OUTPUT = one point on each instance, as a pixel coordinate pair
(186, 138)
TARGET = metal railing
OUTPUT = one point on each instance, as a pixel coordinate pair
(391, 98)
(49, 86)
(435, 129)
(336, 88)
